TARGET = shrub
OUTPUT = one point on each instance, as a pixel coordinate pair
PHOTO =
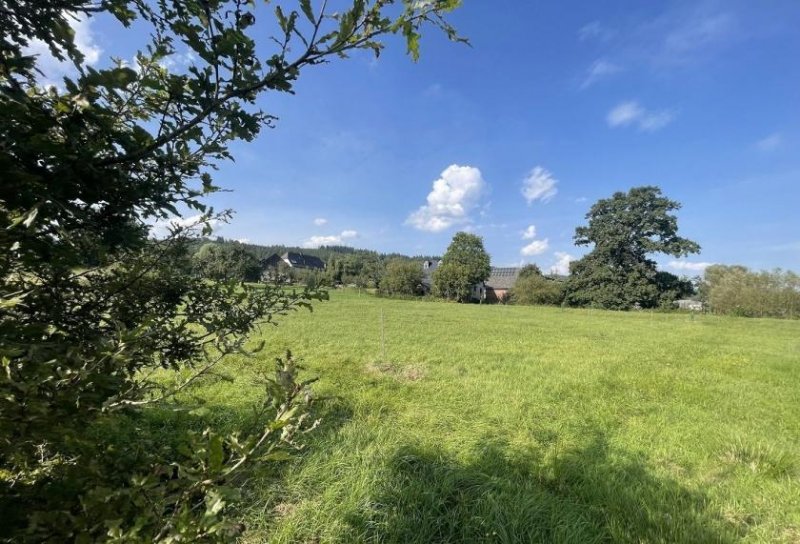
(402, 277)
(534, 288)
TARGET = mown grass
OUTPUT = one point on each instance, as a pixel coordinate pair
(531, 424)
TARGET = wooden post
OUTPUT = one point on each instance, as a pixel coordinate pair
(383, 340)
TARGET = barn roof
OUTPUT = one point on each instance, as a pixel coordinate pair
(300, 260)
(503, 278)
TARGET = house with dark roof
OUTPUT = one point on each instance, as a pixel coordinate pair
(292, 260)
(300, 260)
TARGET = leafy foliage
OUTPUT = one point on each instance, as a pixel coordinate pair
(534, 288)
(94, 313)
(226, 262)
(464, 264)
(736, 290)
(402, 278)
(625, 229)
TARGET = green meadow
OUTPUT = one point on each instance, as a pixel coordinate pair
(474, 423)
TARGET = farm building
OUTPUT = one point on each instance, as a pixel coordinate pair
(498, 285)
(294, 260)
(494, 289)
(428, 267)
(276, 267)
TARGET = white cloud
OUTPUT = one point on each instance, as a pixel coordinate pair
(535, 248)
(179, 61)
(561, 266)
(529, 233)
(330, 240)
(689, 266)
(694, 34)
(54, 70)
(320, 221)
(630, 112)
(624, 114)
(454, 195)
(539, 185)
(770, 143)
(653, 121)
(599, 69)
(243, 240)
(581, 199)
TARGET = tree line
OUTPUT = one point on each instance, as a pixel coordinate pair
(619, 273)
(221, 259)
(737, 290)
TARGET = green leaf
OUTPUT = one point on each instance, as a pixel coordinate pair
(215, 453)
(279, 455)
(284, 22)
(412, 40)
(305, 5)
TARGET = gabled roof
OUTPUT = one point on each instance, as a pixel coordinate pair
(503, 278)
(272, 260)
(299, 260)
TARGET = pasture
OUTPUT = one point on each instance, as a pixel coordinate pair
(529, 424)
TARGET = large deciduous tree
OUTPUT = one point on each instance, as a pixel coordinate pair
(464, 264)
(625, 230)
(91, 307)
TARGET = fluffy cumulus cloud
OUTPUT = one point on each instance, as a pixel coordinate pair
(539, 184)
(54, 70)
(630, 113)
(453, 197)
(529, 233)
(688, 266)
(561, 266)
(330, 240)
(536, 247)
(320, 221)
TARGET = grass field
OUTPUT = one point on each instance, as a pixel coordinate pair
(531, 424)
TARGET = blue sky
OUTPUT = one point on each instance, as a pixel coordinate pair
(555, 105)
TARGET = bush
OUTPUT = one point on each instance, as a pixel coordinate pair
(533, 288)
(735, 290)
(402, 277)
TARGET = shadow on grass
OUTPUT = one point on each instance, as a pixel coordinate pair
(585, 495)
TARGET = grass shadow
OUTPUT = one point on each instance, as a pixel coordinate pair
(584, 495)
